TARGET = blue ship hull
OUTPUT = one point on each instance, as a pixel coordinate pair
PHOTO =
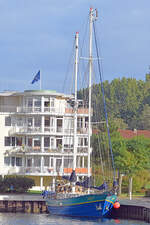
(92, 205)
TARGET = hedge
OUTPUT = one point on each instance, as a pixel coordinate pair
(18, 184)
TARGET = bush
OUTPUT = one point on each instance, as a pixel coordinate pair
(18, 184)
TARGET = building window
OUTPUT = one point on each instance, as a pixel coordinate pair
(37, 102)
(29, 162)
(13, 141)
(37, 161)
(58, 142)
(19, 141)
(68, 163)
(51, 162)
(30, 102)
(7, 121)
(52, 122)
(46, 161)
(82, 142)
(12, 161)
(52, 143)
(37, 122)
(47, 122)
(80, 122)
(37, 143)
(7, 161)
(10, 141)
(7, 141)
(52, 102)
(46, 141)
(30, 142)
(29, 122)
(18, 161)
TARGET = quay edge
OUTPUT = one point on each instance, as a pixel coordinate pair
(134, 209)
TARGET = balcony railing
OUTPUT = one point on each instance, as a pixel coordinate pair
(82, 150)
(49, 129)
(33, 109)
(33, 170)
(39, 109)
(82, 130)
(45, 170)
(79, 111)
(23, 130)
(59, 129)
(21, 150)
(28, 109)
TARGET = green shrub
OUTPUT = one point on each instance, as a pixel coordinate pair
(18, 184)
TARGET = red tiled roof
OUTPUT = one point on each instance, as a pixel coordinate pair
(133, 133)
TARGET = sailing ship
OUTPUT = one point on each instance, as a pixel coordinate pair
(93, 201)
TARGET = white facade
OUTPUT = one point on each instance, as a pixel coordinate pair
(36, 137)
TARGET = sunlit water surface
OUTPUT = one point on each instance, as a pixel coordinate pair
(44, 219)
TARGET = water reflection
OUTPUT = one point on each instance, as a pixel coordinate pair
(46, 219)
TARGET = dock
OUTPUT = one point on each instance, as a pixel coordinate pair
(24, 203)
(135, 209)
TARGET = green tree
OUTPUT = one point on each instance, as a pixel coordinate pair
(131, 156)
(144, 121)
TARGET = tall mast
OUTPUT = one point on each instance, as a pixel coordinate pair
(93, 16)
(90, 86)
(75, 103)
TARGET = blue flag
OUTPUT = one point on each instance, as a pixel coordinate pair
(36, 78)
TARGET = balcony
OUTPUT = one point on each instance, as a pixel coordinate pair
(53, 150)
(24, 170)
(49, 129)
(28, 109)
(21, 150)
(79, 111)
(25, 130)
(82, 149)
(82, 130)
(49, 110)
(68, 150)
(26, 150)
(78, 170)
(59, 129)
(44, 171)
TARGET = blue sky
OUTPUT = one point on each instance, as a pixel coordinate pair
(39, 34)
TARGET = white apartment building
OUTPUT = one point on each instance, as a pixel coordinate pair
(37, 135)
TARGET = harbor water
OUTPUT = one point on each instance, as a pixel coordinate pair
(46, 219)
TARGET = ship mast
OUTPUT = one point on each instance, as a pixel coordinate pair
(75, 101)
(93, 16)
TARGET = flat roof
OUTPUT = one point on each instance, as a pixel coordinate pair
(35, 93)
